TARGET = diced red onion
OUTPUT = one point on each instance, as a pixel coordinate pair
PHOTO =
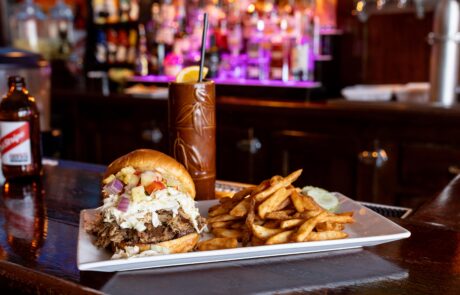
(114, 187)
(123, 204)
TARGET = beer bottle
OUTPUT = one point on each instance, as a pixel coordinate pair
(19, 132)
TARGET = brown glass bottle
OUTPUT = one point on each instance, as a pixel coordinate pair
(19, 132)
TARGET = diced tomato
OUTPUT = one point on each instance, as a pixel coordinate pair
(154, 186)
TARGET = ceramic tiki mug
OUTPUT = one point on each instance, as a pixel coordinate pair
(192, 129)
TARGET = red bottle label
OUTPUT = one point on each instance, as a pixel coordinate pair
(15, 143)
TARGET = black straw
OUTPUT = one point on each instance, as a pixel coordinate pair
(203, 46)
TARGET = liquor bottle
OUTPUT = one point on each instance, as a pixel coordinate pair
(213, 58)
(134, 11)
(101, 47)
(131, 55)
(302, 54)
(316, 35)
(302, 60)
(111, 46)
(112, 11)
(277, 59)
(122, 48)
(235, 39)
(221, 36)
(25, 217)
(100, 11)
(167, 24)
(124, 10)
(142, 59)
(19, 132)
(258, 60)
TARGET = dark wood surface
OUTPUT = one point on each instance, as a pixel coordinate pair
(436, 210)
(42, 258)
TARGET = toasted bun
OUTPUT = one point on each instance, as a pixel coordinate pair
(145, 159)
(180, 245)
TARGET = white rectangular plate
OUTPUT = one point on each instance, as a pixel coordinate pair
(369, 229)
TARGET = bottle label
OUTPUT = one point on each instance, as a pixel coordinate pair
(15, 143)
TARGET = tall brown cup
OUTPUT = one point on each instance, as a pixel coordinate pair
(192, 129)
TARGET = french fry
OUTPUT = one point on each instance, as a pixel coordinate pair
(219, 224)
(264, 232)
(237, 224)
(261, 187)
(280, 215)
(273, 201)
(246, 235)
(303, 203)
(296, 199)
(307, 214)
(272, 212)
(324, 226)
(276, 186)
(217, 243)
(338, 227)
(223, 194)
(241, 209)
(251, 214)
(306, 228)
(223, 217)
(182, 244)
(326, 235)
(275, 179)
(283, 205)
(280, 238)
(271, 224)
(218, 211)
(243, 193)
(255, 241)
(227, 233)
(329, 226)
(224, 207)
(285, 224)
(308, 202)
(339, 219)
(214, 207)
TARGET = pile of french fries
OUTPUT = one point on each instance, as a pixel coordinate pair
(274, 212)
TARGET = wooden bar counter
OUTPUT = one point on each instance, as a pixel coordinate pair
(419, 145)
(38, 246)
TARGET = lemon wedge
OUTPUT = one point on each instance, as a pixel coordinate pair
(190, 74)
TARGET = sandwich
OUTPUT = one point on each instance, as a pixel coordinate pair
(148, 208)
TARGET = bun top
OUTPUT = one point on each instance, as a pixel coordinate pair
(146, 159)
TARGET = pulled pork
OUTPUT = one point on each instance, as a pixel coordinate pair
(172, 227)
